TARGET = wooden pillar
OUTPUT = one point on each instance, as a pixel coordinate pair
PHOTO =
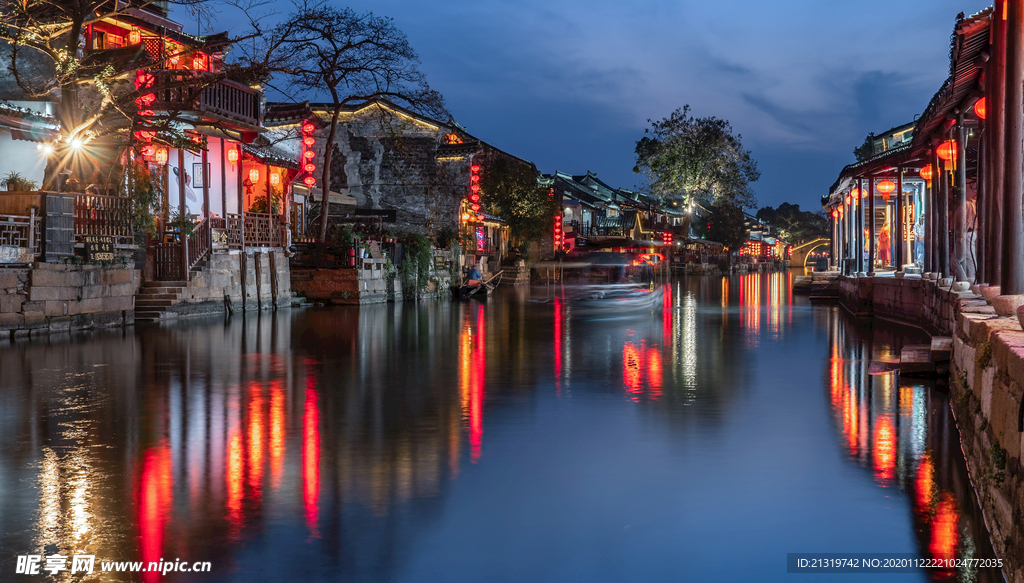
(872, 251)
(182, 213)
(241, 203)
(223, 182)
(858, 235)
(851, 243)
(995, 89)
(206, 200)
(928, 200)
(981, 275)
(1013, 221)
(959, 192)
(943, 223)
(901, 209)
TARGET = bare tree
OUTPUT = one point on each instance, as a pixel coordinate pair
(354, 58)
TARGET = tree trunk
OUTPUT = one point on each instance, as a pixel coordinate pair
(325, 182)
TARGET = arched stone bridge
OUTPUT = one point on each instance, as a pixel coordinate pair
(800, 252)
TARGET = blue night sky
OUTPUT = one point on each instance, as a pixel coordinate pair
(570, 84)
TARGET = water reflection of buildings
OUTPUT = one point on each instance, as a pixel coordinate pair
(903, 433)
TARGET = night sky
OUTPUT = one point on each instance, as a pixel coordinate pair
(570, 84)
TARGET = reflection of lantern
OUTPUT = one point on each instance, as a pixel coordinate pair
(308, 128)
(309, 168)
(233, 155)
(147, 150)
(275, 179)
(309, 141)
(980, 108)
(254, 175)
(309, 154)
(309, 181)
(134, 37)
(161, 155)
(886, 187)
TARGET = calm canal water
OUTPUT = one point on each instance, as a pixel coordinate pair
(507, 440)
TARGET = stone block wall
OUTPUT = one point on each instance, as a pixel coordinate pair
(222, 276)
(911, 300)
(51, 297)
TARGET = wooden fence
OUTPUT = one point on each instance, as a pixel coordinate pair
(21, 231)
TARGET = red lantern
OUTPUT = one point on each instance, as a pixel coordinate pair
(309, 154)
(145, 100)
(145, 135)
(474, 207)
(134, 37)
(849, 199)
(480, 217)
(927, 173)
(254, 175)
(474, 168)
(147, 150)
(233, 155)
(980, 108)
(309, 141)
(886, 187)
(309, 168)
(308, 128)
(946, 151)
(144, 79)
(855, 193)
(474, 188)
(309, 181)
(474, 198)
(161, 156)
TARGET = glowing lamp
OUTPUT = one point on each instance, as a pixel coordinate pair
(946, 151)
(474, 198)
(233, 155)
(308, 128)
(144, 101)
(174, 61)
(254, 175)
(835, 214)
(199, 62)
(855, 192)
(886, 187)
(309, 154)
(309, 141)
(849, 199)
(144, 79)
(134, 37)
(980, 108)
(147, 150)
(145, 135)
(474, 188)
(309, 181)
(474, 207)
(309, 167)
(465, 216)
(161, 156)
(474, 168)
(480, 217)
(474, 178)
(927, 173)
(275, 179)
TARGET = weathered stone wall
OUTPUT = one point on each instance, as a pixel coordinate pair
(50, 297)
(222, 276)
(987, 390)
(368, 285)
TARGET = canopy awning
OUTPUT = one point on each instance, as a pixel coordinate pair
(318, 193)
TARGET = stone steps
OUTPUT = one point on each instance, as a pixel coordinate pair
(926, 359)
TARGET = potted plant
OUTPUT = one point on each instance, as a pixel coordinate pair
(15, 182)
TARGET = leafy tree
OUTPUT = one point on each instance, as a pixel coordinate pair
(795, 226)
(508, 188)
(726, 225)
(867, 149)
(698, 158)
(354, 58)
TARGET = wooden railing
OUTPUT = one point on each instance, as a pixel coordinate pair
(21, 231)
(198, 243)
(178, 90)
(167, 264)
(97, 214)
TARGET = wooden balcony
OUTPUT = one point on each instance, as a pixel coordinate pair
(197, 91)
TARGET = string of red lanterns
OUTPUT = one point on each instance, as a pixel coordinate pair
(472, 202)
(308, 154)
(145, 80)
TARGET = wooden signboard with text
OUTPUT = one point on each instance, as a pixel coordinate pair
(220, 240)
(99, 247)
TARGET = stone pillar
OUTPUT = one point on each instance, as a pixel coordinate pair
(1013, 221)
(943, 223)
(206, 201)
(959, 191)
(872, 250)
(995, 130)
(900, 210)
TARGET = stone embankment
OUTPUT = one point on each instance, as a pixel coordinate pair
(986, 390)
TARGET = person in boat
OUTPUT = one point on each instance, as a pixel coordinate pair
(473, 281)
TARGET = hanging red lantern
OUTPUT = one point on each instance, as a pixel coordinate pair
(254, 175)
(474, 198)
(134, 37)
(980, 108)
(849, 199)
(275, 179)
(309, 141)
(233, 155)
(465, 216)
(885, 187)
(308, 127)
(144, 79)
(147, 150)
(309, 168)
(161, 156)
(480, 217)
(474, 168)
(927, 173)
(309, 181)
(946, 151)
(855, 193)
(309, 154)
(474, 188)
(474, 207)
(145, 135)
(474, 178)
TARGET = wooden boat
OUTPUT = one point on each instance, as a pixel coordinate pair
(614, 300)
(479, 292)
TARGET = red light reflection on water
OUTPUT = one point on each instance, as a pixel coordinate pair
(277, 433)
(641, 370)
(558, 345)
(311, 459)
(884, 450)
(256, 432)
(945, 534)
(155, 498)
(476, 395)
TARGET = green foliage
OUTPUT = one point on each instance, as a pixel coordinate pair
(146, 194)
(998, 456)
(508, 189)
(259, 204)
(446, 237)
(698, 158)
(183, 224)
(416, 258)
(795, 225)
(15, 182)
(984, 357)
(866, 150)
(727, 225)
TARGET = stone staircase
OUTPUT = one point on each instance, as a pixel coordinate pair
(156, 297)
